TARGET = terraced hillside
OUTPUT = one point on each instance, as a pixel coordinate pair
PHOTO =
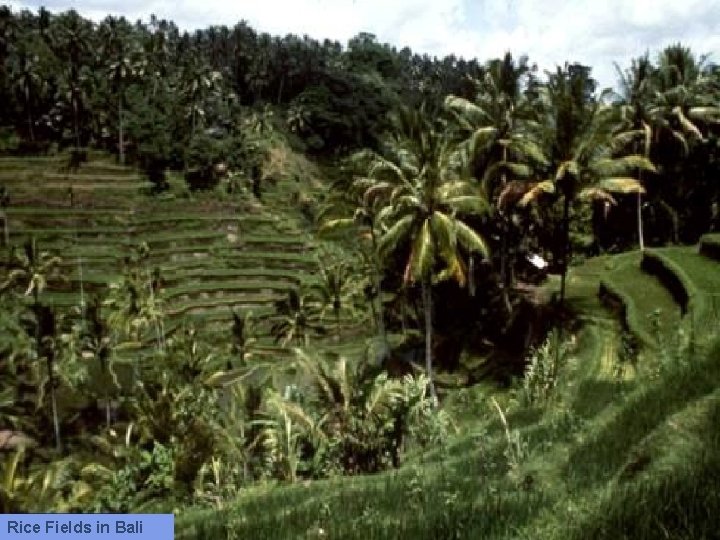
(212, 255)
(662, 291)
(619, 450)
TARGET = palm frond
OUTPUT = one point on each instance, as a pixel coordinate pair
(528, 148)
(391, 238)
(539, 189)
(422, 256)
(686, 124)
(705, 114)
(334, 226)
(621, 185)
(468, 204)
(597, 194)
(621, 165)
(471, 240)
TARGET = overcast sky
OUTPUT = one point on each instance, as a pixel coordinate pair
(597, 32)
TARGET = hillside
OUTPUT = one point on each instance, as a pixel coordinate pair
(630, 412)
(610, 434)
(285, 287)
(212, 256)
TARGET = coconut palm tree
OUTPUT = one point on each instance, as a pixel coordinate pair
(636, 90)
(423, 215)
(576, 130)
(198, 83)
(28, 82)
(493, 132)
(69, 38)
(684, 105)
(124, 64)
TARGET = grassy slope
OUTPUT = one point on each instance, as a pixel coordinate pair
(609, 456)
(700, 276)
(641, 295)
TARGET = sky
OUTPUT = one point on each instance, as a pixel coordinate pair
(597, 33)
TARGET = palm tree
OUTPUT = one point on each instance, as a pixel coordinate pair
(69, 39)
(333, 284)
(493, 132)
(683, 104)
(28, 82)
(636, 93)
(96, 341)
(294, 319)
(356, 401)
(31, 270)
(135, 305)
(423, 219)
(198, 82)
(577, 131)
(123, 66)
(243, 329)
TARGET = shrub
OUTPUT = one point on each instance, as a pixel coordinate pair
(541, 372)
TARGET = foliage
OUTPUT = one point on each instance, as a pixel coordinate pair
(294, 322)
(350, 419)
(542, 370)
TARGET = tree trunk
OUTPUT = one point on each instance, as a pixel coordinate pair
(76, 123)
(641, 239)
(28, 104)
(337, 323)
(471, 275)
(378, 295)
(30, 126)
(121, 143)
(53, 402)
(280, 91)
(192, 128)
(427, 307)
(82, 288)
(504, 284)
(6, 228)
(159, 335)
(673, 215)
(565, 246)
(50, 369)
(641, 234)
(107, 408)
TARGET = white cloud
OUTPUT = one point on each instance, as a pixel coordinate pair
(549, 31)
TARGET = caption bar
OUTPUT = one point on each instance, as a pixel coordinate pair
(87, 526)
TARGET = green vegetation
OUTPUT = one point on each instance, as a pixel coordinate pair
(290, 289)
(640, 295)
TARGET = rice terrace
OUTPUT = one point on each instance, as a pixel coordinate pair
(287, 287)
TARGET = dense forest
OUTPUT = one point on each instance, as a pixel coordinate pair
(447, 202)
